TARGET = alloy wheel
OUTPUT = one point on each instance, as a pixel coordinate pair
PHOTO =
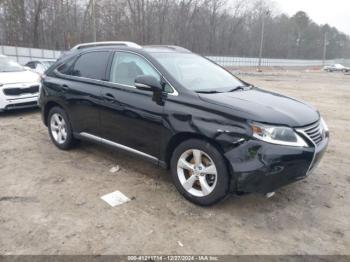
(197, 172)
(58, 128)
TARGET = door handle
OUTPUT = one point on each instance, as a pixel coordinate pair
(109, 97)
(65, 87)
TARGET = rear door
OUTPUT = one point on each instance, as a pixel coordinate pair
(81, 84)
(129, 116)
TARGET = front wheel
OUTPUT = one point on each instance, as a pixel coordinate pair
(199, 172)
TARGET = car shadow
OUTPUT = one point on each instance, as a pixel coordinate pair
(240, 203)
(19, 112)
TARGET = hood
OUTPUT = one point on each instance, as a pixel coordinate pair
(266, 107)
(18, 77)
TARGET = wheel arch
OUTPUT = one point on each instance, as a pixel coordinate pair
(48, 106)
(181, 137)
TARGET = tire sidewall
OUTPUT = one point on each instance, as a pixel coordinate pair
(69, 141)
(221, 189)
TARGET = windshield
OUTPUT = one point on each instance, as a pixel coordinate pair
(197, 73)
(7, 65)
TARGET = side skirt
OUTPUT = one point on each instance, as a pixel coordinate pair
(90, 137)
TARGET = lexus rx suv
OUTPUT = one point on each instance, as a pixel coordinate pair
(216, 133)
(19, 88)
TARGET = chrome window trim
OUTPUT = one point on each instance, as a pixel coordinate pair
(174, 93)
(114, 144)
(81, 77)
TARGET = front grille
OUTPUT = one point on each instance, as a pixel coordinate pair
(15, 91)
(314, 132)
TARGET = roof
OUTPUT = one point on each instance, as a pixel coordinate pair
(126, 45)
(166, 48)
(122, 45)
(108, 43)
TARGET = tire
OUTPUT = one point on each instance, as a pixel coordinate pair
(60, 130)
(194, 175)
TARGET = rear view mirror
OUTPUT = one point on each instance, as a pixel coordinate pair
(148, 83)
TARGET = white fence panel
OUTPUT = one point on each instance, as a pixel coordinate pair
(36, 52)
(23, 55)
(253, 62)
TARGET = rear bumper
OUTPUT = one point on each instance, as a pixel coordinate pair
(259, 167)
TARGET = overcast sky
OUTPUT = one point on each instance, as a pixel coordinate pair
(335, 12)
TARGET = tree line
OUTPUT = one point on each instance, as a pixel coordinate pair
(210, 27)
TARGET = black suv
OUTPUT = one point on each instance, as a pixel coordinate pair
(181, 111)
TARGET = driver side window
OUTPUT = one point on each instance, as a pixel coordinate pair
(127, 66)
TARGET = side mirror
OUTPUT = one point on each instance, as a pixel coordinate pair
(148, 83)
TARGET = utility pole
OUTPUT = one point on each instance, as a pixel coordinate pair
(262, 38)
(325, 48)
(93, 18)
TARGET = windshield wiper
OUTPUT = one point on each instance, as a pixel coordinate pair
(240, 88)
(208, 92)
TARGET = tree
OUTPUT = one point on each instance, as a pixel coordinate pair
(209, 27)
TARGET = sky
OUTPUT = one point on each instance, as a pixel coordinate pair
(336, 12)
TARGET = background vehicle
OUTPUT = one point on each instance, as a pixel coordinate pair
(336, 68)
(19, 88)
(40, 66)
(181, 111)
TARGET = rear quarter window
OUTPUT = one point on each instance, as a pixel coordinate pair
(91, 65)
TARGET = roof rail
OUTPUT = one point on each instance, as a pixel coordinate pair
(108, 43)
(173, 47)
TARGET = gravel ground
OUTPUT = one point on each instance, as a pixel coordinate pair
(50, 200)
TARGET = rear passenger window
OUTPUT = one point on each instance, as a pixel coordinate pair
(91, 65)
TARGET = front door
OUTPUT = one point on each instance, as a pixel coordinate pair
(129, 116)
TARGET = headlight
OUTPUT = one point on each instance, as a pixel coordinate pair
(324, 125)
(277, 135)
(324, 129)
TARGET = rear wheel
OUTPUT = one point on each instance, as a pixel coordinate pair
(60, 129)
(199, 172)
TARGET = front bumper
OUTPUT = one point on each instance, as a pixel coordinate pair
(260, 167)
(18, 101)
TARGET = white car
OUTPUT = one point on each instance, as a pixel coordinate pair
(19, 88)
(39, 66)
(336, 68)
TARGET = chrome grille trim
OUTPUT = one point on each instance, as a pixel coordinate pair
(314, 135)
(313, 132)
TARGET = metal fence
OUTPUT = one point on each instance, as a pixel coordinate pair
(22, 55)
(271, 62)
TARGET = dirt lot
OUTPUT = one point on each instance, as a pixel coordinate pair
(50, 200)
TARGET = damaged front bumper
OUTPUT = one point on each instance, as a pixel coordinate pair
(260, 167)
